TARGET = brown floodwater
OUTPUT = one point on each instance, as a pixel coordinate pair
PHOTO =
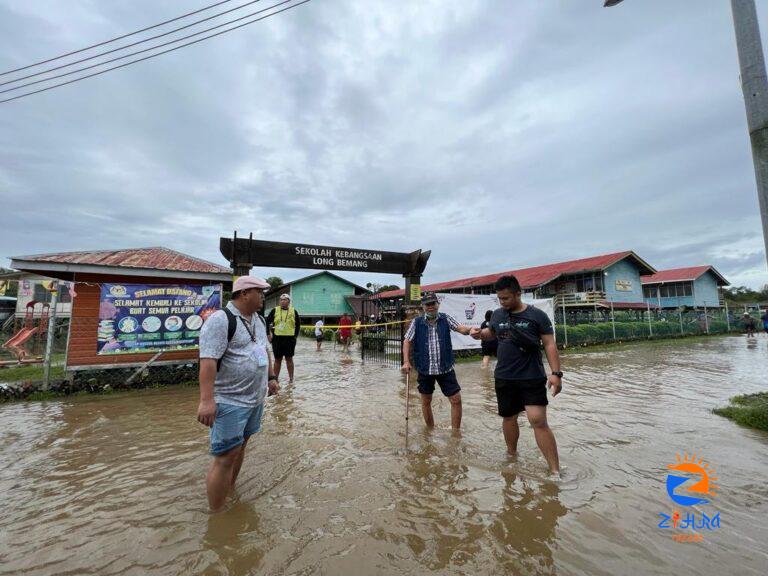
(114, 484)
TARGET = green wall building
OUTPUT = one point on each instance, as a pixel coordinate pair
(322, 295)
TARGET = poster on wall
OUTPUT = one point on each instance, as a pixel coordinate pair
(136, 318)
(623, 285)
(469, 310)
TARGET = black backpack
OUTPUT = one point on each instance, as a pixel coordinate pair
(231, 329)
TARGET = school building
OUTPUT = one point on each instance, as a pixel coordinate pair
(695, 287)
(322, 295)
(616, 279)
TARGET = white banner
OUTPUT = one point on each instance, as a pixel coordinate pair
(469, 310)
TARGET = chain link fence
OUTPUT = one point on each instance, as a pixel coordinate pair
(588, 327)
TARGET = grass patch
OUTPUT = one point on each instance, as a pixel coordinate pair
(748, 410)
(34, 372)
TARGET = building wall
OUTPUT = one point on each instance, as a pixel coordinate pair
(84, 324)
(27, 295)
(706, 291)
(627, 273)
(321, 296)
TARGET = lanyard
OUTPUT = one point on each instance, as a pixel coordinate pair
(284, 317)
(251, 333)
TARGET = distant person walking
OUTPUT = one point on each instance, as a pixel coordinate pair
(764, 318)
(489, 347)
(319, 333)
(345, 331)
(521, 382)
(749, 325)
(429, 336)
(284, 323)
(235, 376)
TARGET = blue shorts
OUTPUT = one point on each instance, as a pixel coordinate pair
(447, 382)
(233, 424)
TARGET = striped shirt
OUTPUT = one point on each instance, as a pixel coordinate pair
(433, 343)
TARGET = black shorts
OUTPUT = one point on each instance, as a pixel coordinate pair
(513, 396)
(489, 348)
(319, 338)
(448, 383)
(283, 346)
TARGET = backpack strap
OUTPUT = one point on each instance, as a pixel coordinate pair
(231, 329)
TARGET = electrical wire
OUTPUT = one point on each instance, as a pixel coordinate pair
(100, 54)
(115, 39)
(157, 54)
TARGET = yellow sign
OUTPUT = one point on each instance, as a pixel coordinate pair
(415, 292)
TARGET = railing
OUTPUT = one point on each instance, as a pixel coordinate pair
(579, 299)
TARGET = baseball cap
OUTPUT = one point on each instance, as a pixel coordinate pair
(246, 282)
(429, 298)
(285, 296)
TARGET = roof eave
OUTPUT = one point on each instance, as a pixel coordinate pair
(67, 269)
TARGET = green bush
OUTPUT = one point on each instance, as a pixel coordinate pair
(748, 410)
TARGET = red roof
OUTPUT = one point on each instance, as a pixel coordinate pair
(691, 273)
(530, 278)
(144, 258)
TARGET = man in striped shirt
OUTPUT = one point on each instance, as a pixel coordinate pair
(429, 335)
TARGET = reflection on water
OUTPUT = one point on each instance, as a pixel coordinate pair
(114, 485)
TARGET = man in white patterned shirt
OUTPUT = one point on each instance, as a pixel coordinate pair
(430, 337)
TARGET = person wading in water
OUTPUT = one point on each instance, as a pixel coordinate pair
(235, 377)
(430, 337)
(284, 324)
(521, 382)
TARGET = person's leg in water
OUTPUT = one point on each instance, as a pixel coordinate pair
(511, 433)
(238, 463)
(319, 342)
(289, 365)
(545, 439)
(220, 477)
(486, 361)
(455, 401)
(426, 410)
(278, 364)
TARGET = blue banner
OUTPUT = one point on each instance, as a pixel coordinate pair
(135, 318)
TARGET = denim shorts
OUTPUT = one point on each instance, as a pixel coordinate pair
(233, 424)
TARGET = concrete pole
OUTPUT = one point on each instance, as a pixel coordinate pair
(650, 324)
(727, 319)
(706, 319)
(613, 322)
(565, 327)
(50, 336)
(754, 84)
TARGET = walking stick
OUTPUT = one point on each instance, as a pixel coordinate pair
(407, 405)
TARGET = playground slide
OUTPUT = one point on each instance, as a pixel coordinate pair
(20, 337)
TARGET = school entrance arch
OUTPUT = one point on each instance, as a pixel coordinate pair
(245, 253)
(383, 341)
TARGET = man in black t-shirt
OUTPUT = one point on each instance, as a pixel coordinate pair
(521, 381)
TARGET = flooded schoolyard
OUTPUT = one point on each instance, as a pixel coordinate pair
(114, 484)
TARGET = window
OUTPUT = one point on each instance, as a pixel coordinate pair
(650, 292)
(43, 295)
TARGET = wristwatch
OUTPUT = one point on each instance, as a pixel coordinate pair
(557, 373)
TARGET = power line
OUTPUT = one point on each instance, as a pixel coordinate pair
(123, 57)
(158, 54)
(131, 45)
(115, 39)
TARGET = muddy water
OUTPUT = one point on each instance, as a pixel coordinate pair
(114, 485)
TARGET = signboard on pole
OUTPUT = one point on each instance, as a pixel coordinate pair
(137, 318)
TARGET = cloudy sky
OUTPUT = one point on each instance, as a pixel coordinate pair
(497, 134)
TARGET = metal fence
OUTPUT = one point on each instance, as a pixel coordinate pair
(584, 327)
(382, 342)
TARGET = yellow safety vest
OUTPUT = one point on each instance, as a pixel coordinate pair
(285, 321)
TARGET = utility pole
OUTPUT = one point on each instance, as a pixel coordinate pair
(755, 87)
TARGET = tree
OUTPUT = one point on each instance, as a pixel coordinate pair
(376, 288)
(275, 282)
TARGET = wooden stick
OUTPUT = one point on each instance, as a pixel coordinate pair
(407, 405)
